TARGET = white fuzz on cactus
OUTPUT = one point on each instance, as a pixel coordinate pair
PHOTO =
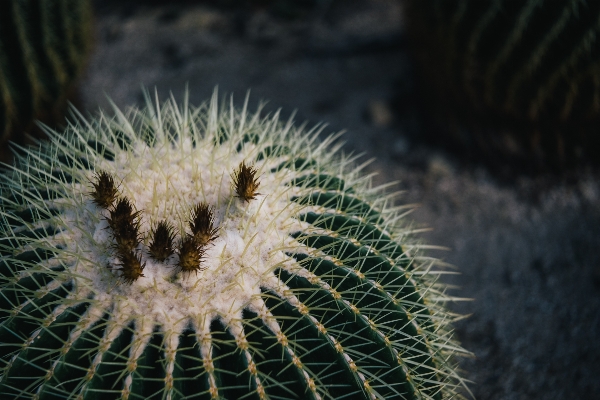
(180, 252)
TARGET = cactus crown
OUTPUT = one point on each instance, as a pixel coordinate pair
(139, 260)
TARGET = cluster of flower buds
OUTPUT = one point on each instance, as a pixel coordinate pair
(124, 223)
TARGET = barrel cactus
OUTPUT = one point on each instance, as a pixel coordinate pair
(207, 252)
(44, 46)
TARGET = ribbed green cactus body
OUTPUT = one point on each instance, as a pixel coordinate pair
(319, 294)
(43, 48)
(524, 75)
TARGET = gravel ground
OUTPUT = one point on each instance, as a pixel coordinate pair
(527, 251)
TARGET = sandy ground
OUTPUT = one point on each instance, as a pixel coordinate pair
(527, 252)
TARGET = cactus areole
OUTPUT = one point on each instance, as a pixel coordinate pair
(195, 253)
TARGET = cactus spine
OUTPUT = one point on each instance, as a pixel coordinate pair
(181, 252)
(43, 49)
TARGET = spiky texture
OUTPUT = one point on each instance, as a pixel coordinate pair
(190, 256)
(312, 289)
(124, 225)
(132, 267)
(105, 191)
(245, 182)
(43, 49)
(522, 76)
(202, 224)
(162, 239)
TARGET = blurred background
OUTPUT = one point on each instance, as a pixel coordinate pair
(484, 114)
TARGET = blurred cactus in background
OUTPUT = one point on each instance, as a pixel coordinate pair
(510, 80)
(43, 49)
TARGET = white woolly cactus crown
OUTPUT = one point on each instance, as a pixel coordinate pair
(305, 287)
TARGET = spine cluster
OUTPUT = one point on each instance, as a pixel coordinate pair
(193, 247)
(124, 223)
(161, 246)
(246, 183)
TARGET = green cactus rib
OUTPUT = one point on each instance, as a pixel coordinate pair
(345, 311)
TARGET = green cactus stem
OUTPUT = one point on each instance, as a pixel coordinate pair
(177, 252)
